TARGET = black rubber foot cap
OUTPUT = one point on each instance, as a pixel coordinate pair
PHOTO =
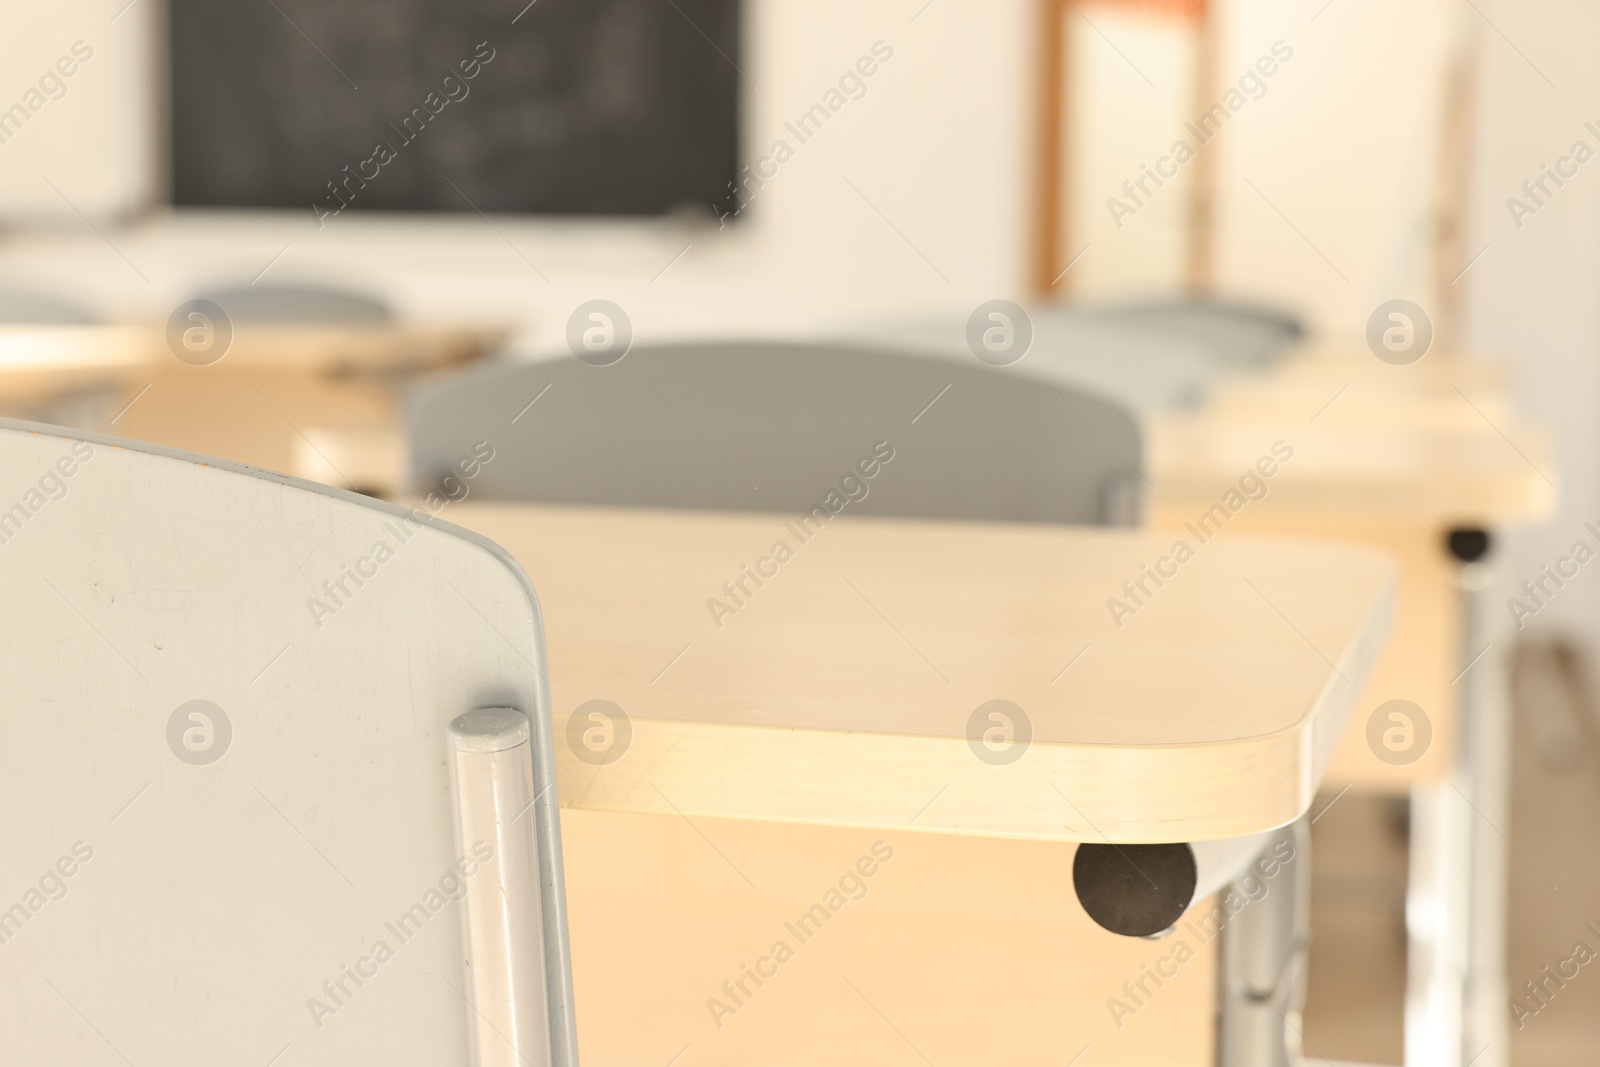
(1137, 890)
(1469, 545)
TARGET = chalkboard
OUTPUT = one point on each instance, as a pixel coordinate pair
(612, 107)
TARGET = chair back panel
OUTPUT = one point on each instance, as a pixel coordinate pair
(770, 427)
(200, 890)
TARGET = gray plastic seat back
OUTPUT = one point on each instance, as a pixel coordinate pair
(292, 303)
(1142, 369)
(1235, 334)
(777, 427)
(26, 308)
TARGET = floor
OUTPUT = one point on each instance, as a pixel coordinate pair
(1356, 984)
(1355, 996)
(1555, 859)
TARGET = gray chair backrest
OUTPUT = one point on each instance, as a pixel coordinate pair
(778, 427)
(1144, 370)
(293, 303)
(17, 306)
(1235, 334)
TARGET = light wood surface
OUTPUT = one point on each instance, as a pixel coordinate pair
(1421, 656)
(1347, 359)
(842, 691)
(667, 906)
(266, 418)
(36, 361)
(315, 401)
(65, 354)
(1455, 476)
(1391, 457)
(1340, 384)
(962, 950)
(403, 349)
(1352, 405)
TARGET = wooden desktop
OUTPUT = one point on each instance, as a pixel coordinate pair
(832, 711)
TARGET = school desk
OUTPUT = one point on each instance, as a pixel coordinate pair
(1397, 458)
(36, 358)
(1340, 359)
(317, 401)
(1363, 471)
(769, 748)
(37, 362)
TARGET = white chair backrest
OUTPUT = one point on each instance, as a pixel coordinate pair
(224, 763)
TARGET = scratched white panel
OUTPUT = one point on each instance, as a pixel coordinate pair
(209, 902)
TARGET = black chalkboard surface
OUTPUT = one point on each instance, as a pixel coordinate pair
(624, 107)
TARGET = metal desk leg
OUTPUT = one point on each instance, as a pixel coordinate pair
(1456, 900)
(1485, 756)
(1436, 924)
(1261, 980)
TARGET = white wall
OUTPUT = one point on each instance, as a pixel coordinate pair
(938, 151)
(1131, 75)
(93, 133)
(1532, 298)
(1339, 144)
(1343, 148)
(1346, 145)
